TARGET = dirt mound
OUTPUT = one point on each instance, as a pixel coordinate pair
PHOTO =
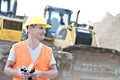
(108, 31)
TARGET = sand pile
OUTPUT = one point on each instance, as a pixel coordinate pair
(108, 31)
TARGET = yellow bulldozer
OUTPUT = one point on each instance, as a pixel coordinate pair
(10, 25)
(11, 30)
(81, 57)
(65, 32)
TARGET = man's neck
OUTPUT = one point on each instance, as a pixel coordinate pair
(32, 43)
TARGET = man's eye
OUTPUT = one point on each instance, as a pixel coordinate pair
(41, 28)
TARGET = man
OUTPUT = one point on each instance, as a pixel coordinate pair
(32, 51)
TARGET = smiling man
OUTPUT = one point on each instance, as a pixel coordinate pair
(32, 51)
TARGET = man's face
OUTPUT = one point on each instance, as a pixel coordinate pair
(38, 32)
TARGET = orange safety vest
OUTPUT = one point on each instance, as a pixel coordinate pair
(23, 57)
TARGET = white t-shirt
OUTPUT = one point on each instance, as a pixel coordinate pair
(34, 54)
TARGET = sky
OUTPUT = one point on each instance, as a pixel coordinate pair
(90, 10)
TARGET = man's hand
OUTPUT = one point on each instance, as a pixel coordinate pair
(23, 75)
(36, 74)
(50, 74)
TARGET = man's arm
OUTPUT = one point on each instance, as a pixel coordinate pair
(8, 70)
(52, 73)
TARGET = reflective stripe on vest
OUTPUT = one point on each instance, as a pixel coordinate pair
(23, 57)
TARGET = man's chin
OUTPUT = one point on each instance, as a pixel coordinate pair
(42, 39)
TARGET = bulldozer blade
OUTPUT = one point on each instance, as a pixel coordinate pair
(82, 62)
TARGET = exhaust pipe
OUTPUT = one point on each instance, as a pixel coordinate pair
(14, 8)
(77, 16)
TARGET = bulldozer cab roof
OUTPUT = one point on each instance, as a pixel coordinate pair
(60, 10)
(10, 12)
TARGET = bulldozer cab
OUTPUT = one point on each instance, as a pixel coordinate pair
(54, 17)
(65, 31)
(10, 23)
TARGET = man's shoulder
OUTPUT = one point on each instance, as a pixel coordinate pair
(19, 43)
(46, 46)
